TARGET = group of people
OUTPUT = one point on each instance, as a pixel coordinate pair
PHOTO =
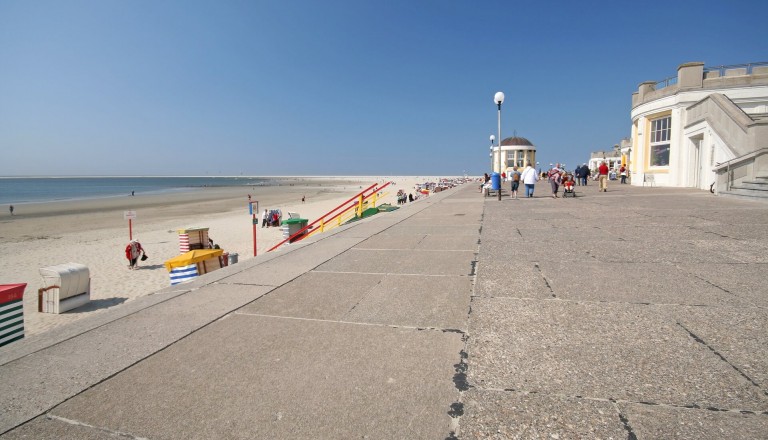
(559, 177)
(582, 174)
(271, 217)
(402, 197)
(556, 176)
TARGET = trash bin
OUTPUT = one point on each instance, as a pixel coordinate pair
(292, 226)
(11, 312)
(233, 258)
(495, 181)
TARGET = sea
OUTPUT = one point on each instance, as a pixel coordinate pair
(20, 190)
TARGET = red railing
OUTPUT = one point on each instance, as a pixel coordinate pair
(301, 233)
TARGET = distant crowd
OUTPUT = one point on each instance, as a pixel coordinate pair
(558, 177)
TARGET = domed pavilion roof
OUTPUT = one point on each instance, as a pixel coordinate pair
(516, 141)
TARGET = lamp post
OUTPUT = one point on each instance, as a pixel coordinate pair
(493, 139)
(498, 98)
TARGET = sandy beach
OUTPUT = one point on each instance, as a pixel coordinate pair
(94, 233)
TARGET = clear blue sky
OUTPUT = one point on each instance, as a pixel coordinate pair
(337, 87)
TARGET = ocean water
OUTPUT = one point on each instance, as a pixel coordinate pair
(19, 190)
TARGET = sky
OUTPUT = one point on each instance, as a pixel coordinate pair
(396, 87)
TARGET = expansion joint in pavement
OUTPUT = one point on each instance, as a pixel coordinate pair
(368, 324)
(546, 281)
(702, 342)
(85, 425)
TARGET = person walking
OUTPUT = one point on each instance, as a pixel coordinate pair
(10, 208)
(514, 176)
(603, 173)
(585, 173)
(264, 217)
(623, 174)
(529, 178)
(554, 176)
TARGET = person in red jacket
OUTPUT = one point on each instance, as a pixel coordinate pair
(132, 252)
(623, 174)
(603, 172)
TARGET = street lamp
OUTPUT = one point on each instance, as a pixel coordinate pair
(493, 139)
(498, 98)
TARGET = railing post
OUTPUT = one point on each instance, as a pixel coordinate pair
(360, 207)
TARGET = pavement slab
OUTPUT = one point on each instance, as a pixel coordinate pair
(742, 251)
(290, 378)
(421, 242)
(497, 414)
(316, 295)
(663, 250)
(738, 335)
(470, 229)
(653, 421)
(744, 280)
(515, 279)
(440, 302)
(402, 262)
(641, 283)
(599, 350)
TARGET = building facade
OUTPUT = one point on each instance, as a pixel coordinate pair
(686, 127)
(515, 151)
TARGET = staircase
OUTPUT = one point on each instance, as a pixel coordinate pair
(756, 189)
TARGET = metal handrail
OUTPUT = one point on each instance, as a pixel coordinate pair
(748, 66)
(739, 159)
(301, 233)
(666, 82)
(672, 80)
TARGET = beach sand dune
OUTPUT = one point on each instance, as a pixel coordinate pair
(94, 233)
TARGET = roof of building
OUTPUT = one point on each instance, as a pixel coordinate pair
(516, 141)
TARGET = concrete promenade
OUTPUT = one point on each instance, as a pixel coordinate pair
(637, 313)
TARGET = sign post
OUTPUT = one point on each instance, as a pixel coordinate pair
(255, 220)
(130, 216)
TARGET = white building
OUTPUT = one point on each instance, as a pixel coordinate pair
(704, 126)
(515, 151)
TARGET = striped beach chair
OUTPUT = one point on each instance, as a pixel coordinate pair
(183, 273)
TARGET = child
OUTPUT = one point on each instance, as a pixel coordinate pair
(567, 183)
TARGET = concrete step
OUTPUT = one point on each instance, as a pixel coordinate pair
(744, 193)
(755, 184)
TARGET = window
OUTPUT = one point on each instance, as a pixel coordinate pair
(660, 136)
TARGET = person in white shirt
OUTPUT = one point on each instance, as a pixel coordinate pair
(529, 178)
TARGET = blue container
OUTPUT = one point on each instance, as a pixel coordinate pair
(495, 181)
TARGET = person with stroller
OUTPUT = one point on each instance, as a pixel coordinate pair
(555, 177)
(567, 186)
